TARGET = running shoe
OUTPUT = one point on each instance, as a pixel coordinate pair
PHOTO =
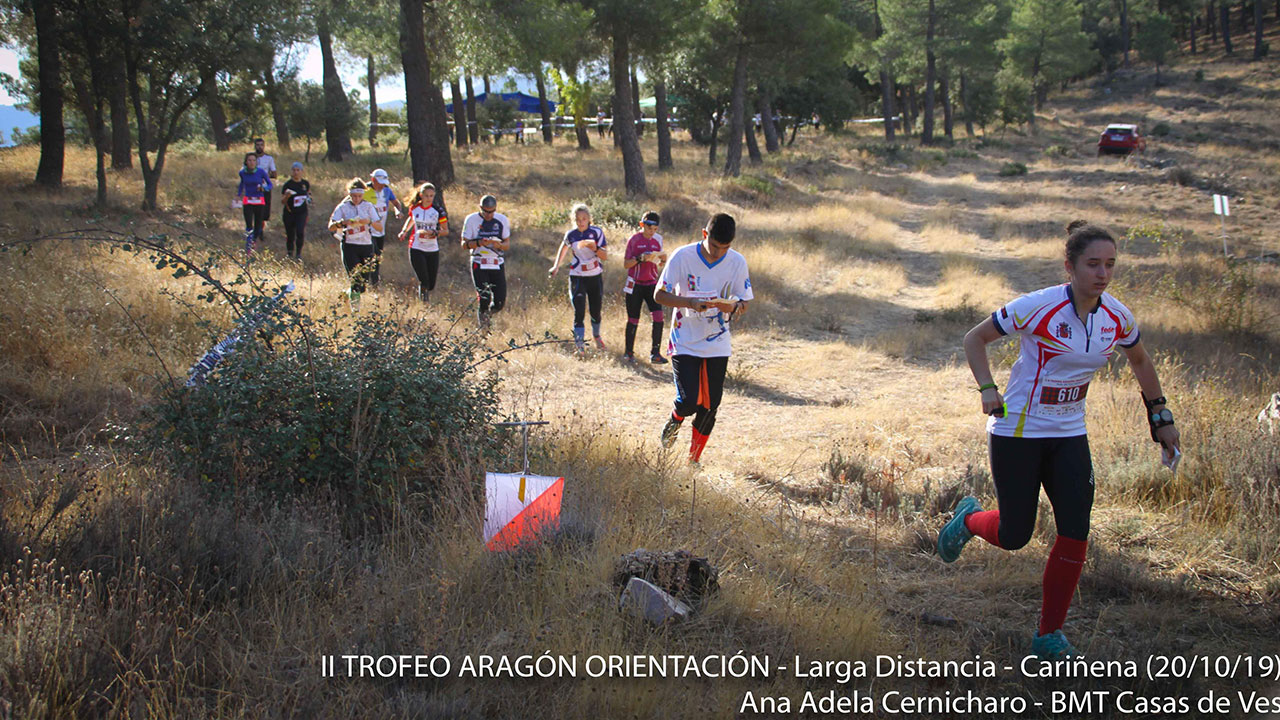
(600, 343)
(657, 359)
(670, 431)
(954, 535)
(629, 358)
(1053, 646)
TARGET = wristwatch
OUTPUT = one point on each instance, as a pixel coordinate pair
(1162, 418)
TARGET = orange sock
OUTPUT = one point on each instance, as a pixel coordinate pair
(696, 445)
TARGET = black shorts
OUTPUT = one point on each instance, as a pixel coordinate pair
(1020, 466)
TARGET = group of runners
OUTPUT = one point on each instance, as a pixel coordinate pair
(1036, 427)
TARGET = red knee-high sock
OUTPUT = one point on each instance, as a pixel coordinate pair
(1061, 574)
(695, 447)
(986, 525)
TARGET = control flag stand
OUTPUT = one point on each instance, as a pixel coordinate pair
(520, 507)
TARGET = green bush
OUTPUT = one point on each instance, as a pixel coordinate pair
(1058, 151)
(1010, 169)
(372, 409)
(1160, 130)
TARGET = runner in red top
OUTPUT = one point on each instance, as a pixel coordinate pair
(643, 260)
(1037, 431)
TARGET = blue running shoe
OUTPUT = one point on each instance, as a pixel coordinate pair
(1053, 646)
(954, 535)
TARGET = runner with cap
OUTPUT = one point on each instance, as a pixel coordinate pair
(1036, 433)
(384, 201)
(427, 223)
(252, 195)
(585, 243)
(487, 236)
(296, 195)
(708, 285)
(355, 218)
(644, 260)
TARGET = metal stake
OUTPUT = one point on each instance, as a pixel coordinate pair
(524, 432)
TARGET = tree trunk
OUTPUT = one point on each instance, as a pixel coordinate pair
(948, 120)
(486, 87)
(1124, 30)
(964, 100)
(417, 80)
(1225, 15)
(623, 123)
(89, 98)
(886, 105)
(664, 130)
(337, 108)
(1210, 19)
(1244, 17)
(459, 113)
(584, 137)
(930, 78)
(473, 127)
(53, 137)
(766, 121)
(1257, 30)
(1195, 19)
(635, 103)
(753, 148)
(794, 128)
(716, 120)
(438, 120)
(278, 112)
(737, 112)
(213, 106)
(544, 106)
(121, 136)
(371, 78)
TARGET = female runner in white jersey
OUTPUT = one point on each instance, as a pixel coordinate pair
(1037, 430)
(423, 229)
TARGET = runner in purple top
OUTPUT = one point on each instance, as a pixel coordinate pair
(644, 259)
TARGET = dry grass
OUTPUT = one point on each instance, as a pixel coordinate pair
(847, 433)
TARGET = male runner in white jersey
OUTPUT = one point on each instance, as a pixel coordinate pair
(708, 285)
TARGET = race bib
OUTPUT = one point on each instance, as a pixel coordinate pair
(299, 200)
(710, 312)
(630, 286)
(1060, 398)
(254, 200)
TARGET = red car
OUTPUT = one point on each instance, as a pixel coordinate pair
(1121, 138)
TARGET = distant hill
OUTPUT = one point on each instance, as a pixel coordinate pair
(11, 117)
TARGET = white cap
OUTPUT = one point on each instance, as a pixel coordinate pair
(380, 175)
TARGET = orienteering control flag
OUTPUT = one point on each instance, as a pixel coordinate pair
(518, 508)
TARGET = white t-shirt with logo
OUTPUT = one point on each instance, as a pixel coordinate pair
(426, 221)
(475, 227)
(585, 262)
(381, 200)
(1058, 358)
(348, 210)
(267, 163)
(689, 274)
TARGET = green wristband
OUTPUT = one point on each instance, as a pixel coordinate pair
(988, 386)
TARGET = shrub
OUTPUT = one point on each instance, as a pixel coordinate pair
(1010, 169)
(1058, 151)
(1200, 76)
(613, 210)
(1181, 176)
(373, 411)
(1160, 130)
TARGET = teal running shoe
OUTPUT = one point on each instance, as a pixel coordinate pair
(954, 535)
(1053, 646)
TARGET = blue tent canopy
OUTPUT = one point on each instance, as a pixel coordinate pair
(524, 103)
